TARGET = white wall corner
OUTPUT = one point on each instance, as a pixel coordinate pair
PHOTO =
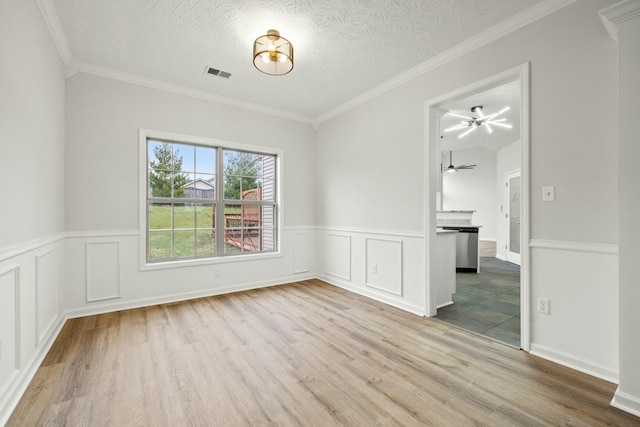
(50, 17)
(614, 15)
(626, 402)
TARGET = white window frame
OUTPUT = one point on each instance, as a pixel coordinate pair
(146, 134)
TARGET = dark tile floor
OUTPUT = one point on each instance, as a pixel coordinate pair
(488, 302)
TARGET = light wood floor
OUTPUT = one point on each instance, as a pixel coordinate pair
(306, 354)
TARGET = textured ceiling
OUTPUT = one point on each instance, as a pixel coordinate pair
(343, 48)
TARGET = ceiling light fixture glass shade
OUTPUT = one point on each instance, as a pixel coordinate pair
(273, 54)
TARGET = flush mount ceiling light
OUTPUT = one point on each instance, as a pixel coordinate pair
(273, 54)
(472, 123)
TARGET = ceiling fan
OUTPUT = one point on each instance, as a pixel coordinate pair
(472, 123)
(452, 169)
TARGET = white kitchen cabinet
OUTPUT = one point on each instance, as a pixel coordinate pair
(445, 267)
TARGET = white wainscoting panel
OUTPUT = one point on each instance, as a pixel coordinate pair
(338, 255)
(46, 293)
(384, 265)
(103, 271)
(9, 325)
(300, 253)
(30, 312)
(581, 281)
(347, 257)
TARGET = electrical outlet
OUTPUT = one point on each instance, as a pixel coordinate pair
(374, 268)
(543, 305)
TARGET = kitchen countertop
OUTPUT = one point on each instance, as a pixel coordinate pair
(458, 225)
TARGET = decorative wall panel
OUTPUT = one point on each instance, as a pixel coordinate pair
(46, 293)
(103, 270)
(9, 323)
(338, 255)
(300, 253)
(384, 265)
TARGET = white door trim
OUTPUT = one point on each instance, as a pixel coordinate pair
(432, 170)
(511, 256)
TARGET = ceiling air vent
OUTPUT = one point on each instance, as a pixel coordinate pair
(219, 73)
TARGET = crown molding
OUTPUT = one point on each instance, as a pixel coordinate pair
(71, 67)
(516, 22)
(123, 76)
(57, 34)
(618, 13)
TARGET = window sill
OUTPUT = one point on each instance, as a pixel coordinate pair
(144, 266)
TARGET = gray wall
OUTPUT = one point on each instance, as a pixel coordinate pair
(376, 152)
(31, 126)
(103, 119)
(32, 145)
(628, 395)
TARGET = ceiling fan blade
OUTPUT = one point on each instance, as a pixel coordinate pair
(466, 166)
(450, 168)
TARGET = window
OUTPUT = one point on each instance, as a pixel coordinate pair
(206, 200)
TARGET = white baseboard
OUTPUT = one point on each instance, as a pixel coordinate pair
(594, 369)
(109, 307)
(420, 311)
(445, 304)
(12, 395)
(626, 402)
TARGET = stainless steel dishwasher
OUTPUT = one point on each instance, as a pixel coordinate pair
(466, 247)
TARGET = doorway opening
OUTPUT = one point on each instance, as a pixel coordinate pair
(494, 299)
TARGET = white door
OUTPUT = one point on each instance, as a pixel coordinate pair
(512, 217)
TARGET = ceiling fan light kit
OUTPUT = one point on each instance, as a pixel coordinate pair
(469, 124)
(452, 169)
(273, 54)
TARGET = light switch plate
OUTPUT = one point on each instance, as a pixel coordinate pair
(548, 193)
